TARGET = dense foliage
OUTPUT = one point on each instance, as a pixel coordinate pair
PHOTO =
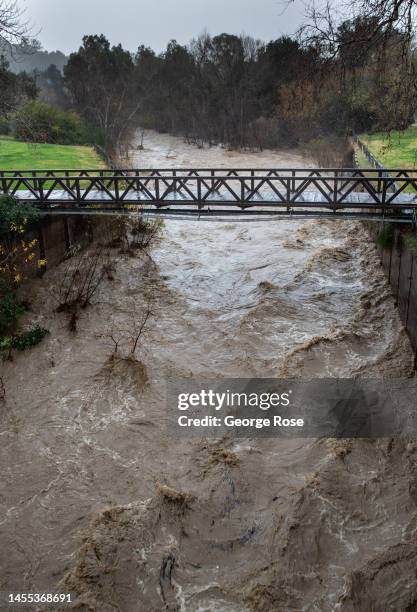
(353, 76)
(15, 89)
(36, 121)
(15, 216)
(18, 254)
(242, 92)
(36, 108)
(221, 89)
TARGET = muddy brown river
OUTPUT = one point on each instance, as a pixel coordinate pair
(98, 499)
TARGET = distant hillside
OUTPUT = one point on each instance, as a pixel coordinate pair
(28, 58)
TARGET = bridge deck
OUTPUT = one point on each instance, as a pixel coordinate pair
(352, 200)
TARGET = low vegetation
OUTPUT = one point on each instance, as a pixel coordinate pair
(129, 233)
(86, 268)
(82, 274)
(127, 340)
(24, 340)
(38, 122)
(18, 256)
(386, 236)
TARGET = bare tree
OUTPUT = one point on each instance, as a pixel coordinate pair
(14, 28)
(126, 340)
(384, 19)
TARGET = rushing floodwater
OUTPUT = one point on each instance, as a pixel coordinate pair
(263, 525)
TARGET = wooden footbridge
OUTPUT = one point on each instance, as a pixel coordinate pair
(349, 193)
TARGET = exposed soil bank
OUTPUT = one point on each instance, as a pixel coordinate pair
(98, 498)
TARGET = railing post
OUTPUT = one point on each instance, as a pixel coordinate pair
(40, 189)
(3, 182)
(199, 191)
(384, 194)
(77, 190)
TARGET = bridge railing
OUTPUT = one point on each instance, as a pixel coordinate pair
(334, 188)
(248, 173)
(85, 174)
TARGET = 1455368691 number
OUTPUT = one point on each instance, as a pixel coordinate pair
(22, 598)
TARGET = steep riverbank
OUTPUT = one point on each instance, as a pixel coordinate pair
(98, 498)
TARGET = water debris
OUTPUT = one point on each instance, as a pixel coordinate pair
(126, 368)
(172, 496)
(338, 447)
(294, 244)
(264, 598)
(165, 575)
(224, 456)
(266, 286)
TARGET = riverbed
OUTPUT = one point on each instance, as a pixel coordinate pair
(99, 499)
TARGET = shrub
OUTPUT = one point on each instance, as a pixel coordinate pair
(144, 232)
(82, 275)
(15, 216)
(16, 252)
(4, 126)
(269, 133)
(130, 233)
(330, 151)
(10, 310)
(410, 242)
(39, 122)
(386, 235)
(24, 340)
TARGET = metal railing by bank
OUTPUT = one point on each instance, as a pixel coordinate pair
(372, 160)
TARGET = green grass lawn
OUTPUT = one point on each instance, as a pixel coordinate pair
(15, 155)
(396, 150)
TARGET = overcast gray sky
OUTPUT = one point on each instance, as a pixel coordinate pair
(62, 23)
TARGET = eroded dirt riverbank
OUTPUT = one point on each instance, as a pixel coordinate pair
(90, 478)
